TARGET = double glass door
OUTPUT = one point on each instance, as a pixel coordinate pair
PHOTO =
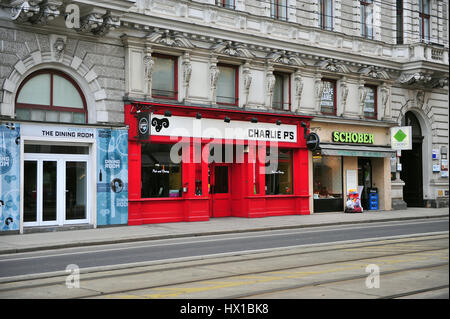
(55, 189)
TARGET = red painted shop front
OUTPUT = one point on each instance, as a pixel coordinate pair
(205, 184)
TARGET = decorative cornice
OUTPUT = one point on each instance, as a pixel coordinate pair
(283, 57)
(232, 48)
(170, 38)
(36, 11)
(332, 66)
(374, 72)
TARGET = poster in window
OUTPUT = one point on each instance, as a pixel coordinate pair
(327, 94)
(369, 104)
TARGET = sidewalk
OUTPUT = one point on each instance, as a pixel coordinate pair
(75, 238)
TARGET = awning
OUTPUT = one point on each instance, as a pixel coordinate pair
(359, 151)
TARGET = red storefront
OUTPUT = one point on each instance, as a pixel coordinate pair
(197, 163)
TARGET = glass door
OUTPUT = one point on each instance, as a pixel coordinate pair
(76, 190)
(220, 190)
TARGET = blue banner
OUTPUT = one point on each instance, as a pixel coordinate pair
(9, 176)
(112, 176)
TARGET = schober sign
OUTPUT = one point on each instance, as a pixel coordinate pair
(350, 137)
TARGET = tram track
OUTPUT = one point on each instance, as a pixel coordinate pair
(361, 252)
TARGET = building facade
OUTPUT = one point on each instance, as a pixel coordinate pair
(95, 95)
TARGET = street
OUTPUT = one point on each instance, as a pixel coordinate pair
(410, 257)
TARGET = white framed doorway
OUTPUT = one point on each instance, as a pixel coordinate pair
(56, 187)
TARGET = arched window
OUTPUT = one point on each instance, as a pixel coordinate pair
(50, 96)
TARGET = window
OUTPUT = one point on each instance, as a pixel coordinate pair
(399, 21)
(278, 9)
(370, 103)
(281, 92)
(164, 78)
(328, 183)
(367, 18)
(226, 3)
(326, 14)
(227, 85)
(279, 174)
(52, 96)
(328, 100)
(160, 176)
(424, 20)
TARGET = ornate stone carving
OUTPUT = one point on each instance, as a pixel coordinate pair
(420, 98)
(91, 22)
(298, 80)
(148, 71)
(270, 84)
(36, 11)
(284, 57)
(414, 78)
(385, 93)
(170, 38)
(332, 66)
(362, 91)
(247, 80)
(344, 95)
(374, 72)
(58, 48)
(110, 22)
(232, 48)
(187, 72)
(213, 78)
(318, 91)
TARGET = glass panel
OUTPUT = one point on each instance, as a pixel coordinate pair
(163, 82)
(226, 85)
(277, 102)
(369, 103)
(327, 176)
(426, 29)
(37, 115)
(49, 191)
(426, 6)
(221, 179)
(76, 190)
(65, 94)
(23, 114)
(52, 116)
(79, 117)
(198, 179)
(279, 180)
(327, 101)
(65, 117)
(56, 149)
(36, 91)
(30, 191)
(329, 14)
(160, 177)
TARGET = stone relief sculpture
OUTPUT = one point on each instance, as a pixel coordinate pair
(318, 90)
(270, 84)
(384, 102)
(187, 71)
(247, 81)
(344, 95)
(148, 72)
(214, 77)
(362, 97)
(298, 88)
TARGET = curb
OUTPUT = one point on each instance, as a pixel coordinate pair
(210, 233)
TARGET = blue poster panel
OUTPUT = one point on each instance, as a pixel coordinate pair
(112, 176)
(9, 176)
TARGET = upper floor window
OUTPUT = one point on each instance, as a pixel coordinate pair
(328, 100)
(165, 77)
(281, 92)
(226, 3)
(52, 96)
(366, 18)
(370, 103)
(424, 20)
(227, 85)
(326, 14)
(278, 9)
(399, 20)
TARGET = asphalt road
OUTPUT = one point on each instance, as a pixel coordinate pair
(95, 256)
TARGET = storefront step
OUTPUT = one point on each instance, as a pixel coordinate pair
(42, 229)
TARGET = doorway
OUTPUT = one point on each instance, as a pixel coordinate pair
(411, 161)
(365, 179)
(220, 190)
(55, 189)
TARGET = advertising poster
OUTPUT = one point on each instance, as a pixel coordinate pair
(9, 176)
(112, 176)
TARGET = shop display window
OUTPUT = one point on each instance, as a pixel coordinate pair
(279, 174)
(160, 176)
(327, 177)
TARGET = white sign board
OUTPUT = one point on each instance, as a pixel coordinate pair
(57, 132)
(352, 180)
(181, 126)
(401, 138)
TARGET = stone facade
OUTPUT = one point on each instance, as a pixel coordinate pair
(107, 53)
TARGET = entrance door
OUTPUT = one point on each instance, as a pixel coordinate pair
(55, 190)
(365, 179)
(220, 190)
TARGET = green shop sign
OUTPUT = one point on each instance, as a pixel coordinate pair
(350, 137)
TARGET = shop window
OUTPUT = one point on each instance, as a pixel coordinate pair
(278, 9)
(50, 96)
(327, 185)
(281, 92)
(366, 18)
(226, 3)
(424, 20)
(160, 176)
(164, 77)
(326, 14)
(227, 85)
(370, 103)
(279, 174)
(328, 100)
